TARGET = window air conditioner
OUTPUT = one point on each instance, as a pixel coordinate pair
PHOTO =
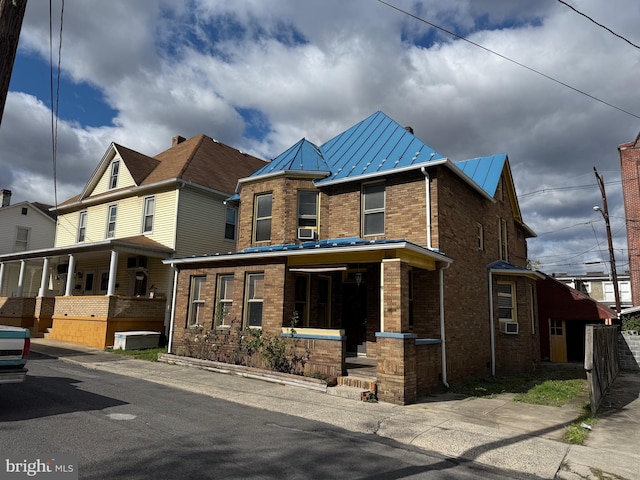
(509, 327)
(306, 234)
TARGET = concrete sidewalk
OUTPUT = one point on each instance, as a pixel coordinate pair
(497, 431)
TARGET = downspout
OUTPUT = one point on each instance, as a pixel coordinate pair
(427, 196)
(173, 307)
(491, 331)
(442, 335)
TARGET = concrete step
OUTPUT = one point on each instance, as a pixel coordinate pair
(343, 391)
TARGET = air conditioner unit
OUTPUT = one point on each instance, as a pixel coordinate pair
(509, 327)
(306, 234)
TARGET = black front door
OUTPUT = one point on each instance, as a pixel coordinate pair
(354, 316)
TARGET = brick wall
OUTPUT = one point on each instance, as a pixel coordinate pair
(17, 311)
(630, 166)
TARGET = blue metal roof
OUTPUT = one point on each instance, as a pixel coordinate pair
(373, 146)
(485, 171)
(303, 156)
(332, 242)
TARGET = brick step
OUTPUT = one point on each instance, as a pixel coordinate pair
(361, 383)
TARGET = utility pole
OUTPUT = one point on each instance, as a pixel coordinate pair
(612, 259)
(11, 15)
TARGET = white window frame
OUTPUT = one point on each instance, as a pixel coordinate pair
(148, 212)
(224, 301)
(112, 216)
(253, 298)
(308, 220)
(480, 237)
(371, 211)
(228, 224)
(264, 219)
(82, 226)
(511, 295)
(503, 242)
(22, 245)
(532, 306)
(196, 299)
(114, 174)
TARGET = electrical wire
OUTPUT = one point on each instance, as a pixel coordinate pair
(55, 103)
(548, 77)
(599, 24)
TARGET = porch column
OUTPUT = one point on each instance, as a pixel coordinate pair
(70, 276)
(394, 298)
(45, 277)
(113, 269)
(1, 277)
(23, 268)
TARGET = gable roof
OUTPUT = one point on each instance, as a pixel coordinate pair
(559, 301)
(303, 156)
(200, 160)
(485, 171)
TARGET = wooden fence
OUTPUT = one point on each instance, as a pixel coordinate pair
(600, 360)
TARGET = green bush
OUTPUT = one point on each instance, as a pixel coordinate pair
(631, 323)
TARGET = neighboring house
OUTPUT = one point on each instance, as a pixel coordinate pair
(23, 226)
(599, 286)
(563, 313)
(104, 273)
(381, 247)
(630, 166)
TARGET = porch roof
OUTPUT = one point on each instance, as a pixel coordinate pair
(331, 251)
(139, 245)
(506, 268)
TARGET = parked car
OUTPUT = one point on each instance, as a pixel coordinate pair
(15, 343)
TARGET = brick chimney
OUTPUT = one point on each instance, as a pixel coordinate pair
(6, 197)
(176, 140)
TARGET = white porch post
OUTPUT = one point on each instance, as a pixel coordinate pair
(1, 277)
(45, 277)
(23, 268)
(113, 268)
(70, 276)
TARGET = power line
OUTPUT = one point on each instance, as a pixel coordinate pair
(55, 104)
(599, 24)
(548, 77)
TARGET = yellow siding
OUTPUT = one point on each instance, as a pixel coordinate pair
(201, 220)
(164, 221)
(124, 178)
(67, 230)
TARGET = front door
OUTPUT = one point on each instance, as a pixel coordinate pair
(558, 341)
(89, 282)
(354, 317)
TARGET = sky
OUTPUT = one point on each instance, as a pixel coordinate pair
(260, 76)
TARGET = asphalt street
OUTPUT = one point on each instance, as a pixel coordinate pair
(124, 427)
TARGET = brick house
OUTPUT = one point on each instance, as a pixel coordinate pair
(104, 273)
(630, 166)
(383, 248)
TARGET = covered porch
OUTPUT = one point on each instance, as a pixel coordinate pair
(87, 291)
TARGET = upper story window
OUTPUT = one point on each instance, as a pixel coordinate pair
(262, 222)
(373, 197)
(111, 221)
(149, 212)
(308, 209)
(22, 240)
(480, 236)
(82, 226)
(503, 243)
(230, 223)
(115, 169)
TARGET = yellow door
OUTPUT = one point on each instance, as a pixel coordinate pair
(558, 341)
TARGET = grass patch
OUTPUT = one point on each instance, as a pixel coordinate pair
(554, 393)
(576, 433)
(149, 354)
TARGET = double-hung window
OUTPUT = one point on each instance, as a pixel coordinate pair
(373, 196)
(149, 212)
(196, 300)
(22, 240)
(480, 236)
(225, 300)
(231, 220)
(307, 209)
(506, 302)
(262, 223)
(111, 221)
(113, 178)
(254, 299)
(503, 244)
(82, 226)
(302, 300)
